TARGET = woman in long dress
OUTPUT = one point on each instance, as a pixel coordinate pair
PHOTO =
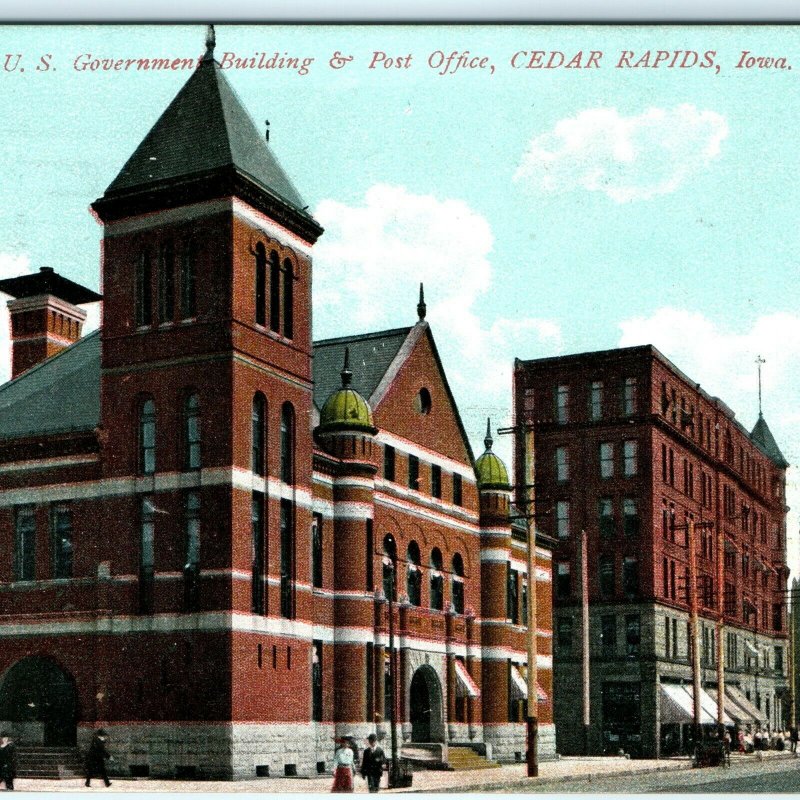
(343, 767)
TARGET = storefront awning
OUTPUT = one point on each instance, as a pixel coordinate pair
(465, 685)
(733, 709)
(709, 704)
(741, 700)
(519, 685)
(677, 705)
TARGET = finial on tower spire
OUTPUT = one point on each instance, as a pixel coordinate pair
(422, 309)
(488, 441)
(346, 374)
(759, 362)
(211, 43)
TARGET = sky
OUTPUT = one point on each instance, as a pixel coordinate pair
(548, 211)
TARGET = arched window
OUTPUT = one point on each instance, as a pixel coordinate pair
(288, 299)
(437, 580)
(287, 443)
(191, 428)
(144, 289)
(166, 283)
(188, 280)
(413, 575)
(389, 567)
(261, 285)
(457, 587)
(147, 437)
(274, 292)
(259, 435)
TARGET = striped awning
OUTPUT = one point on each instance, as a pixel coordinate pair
(465, 685)
(519, 685)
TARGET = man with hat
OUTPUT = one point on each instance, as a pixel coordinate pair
(372, 763)
(96, 758)
(8, 761)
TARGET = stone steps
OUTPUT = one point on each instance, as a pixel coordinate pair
(465, 758)
(49, 762)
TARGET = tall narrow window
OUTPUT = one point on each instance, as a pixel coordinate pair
(287, 559)
(512, 595)
(287, 443)
(259, 435)
(413, 575)
(562, 519)
(257, 540)
(316, 681)
(260, 293)
(562, 404)
(596, 401)
(388, 462)
(389, 567)
(146, 554)
(166, 283)
(144, 289)
(563, 580)
(630, 450)
(147, 437)
(606, 575)
(457, 584)
(630, 576)
(316, 551)
(605, 511)
(189, 280)
(457, 490)
(630, 516)
(274, 292)
(629, 397)
(606, 459)
(61, 538)
(413, 472)
(436, 480)
(25, 544)
(191, 567)
(437, 580)
(370, 556)
(288, 299)
(562, 464)
(192, 432)
(633, 626)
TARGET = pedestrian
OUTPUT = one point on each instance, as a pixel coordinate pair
(793, 737)
(8, 761)
(96, 758)
(372, 763)
(344, 766)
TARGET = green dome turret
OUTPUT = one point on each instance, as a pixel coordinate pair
(346, 409)
(489, 469)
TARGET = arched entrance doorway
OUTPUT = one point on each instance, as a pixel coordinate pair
(38, 698)
(427, 720)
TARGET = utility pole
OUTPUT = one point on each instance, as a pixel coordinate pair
(392, 682)
(693, 630)
(585, 641)
(720, 630)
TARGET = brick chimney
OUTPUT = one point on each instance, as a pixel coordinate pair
(45, 317)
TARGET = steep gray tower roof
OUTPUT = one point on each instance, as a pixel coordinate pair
(763, 437)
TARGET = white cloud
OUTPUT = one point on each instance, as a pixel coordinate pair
(627, 158)
(367, 271)
(725, 363)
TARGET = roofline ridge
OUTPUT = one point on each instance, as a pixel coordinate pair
(363, 336)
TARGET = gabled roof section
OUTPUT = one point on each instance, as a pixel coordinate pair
(371, 355)
(58, 395)
(762, 436)
(204, 129)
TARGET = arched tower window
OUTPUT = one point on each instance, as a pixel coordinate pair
(437, 580)
(274, 292)
(144, 289)
(287, 443)
(413, 575)
(288, 299)
(389, 567)
(259, 435)
(166, 283)
(191, 427)
(189, 279)
(457, 587)
(147, 437)
(261, 285)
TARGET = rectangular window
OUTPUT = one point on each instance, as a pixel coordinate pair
(191, 566)
(562, 464)
(606, 459)
(777, 617)
(257, 540)
(596, 401)
(630, 576)
(316, 551)
(608, 634)
(146, 554)
(166, 284)
(564, 633)
(778, 653)
(562, 519)
(436, 480)
(630, 516)
(370, 557)
(61, 537)
(667, 637)
(25, 544)
(632, 635)
(287, 559)
(605, 513)
(388, 462)
(630, 396)
(674, 638)
(562, 404)
(457, 490)
(664, 463)
(563, 580)
(316, 681)
(671, 467)
(512, 596)
(630, 451)
(524, 602)
(665, 577)
(606, 575)
(413, 472)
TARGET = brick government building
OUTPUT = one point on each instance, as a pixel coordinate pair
(202, 514)
(630, 449)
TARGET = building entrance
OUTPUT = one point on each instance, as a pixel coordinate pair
(38, 701)
(427, 719)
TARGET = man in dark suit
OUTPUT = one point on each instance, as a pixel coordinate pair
(372, 763)
(8, 761)
(96, 758)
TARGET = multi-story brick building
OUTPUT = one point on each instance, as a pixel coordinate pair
(202, 515)
(631, 450)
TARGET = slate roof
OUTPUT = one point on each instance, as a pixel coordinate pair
(763, 438)
(205, 128)
(60, 394)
